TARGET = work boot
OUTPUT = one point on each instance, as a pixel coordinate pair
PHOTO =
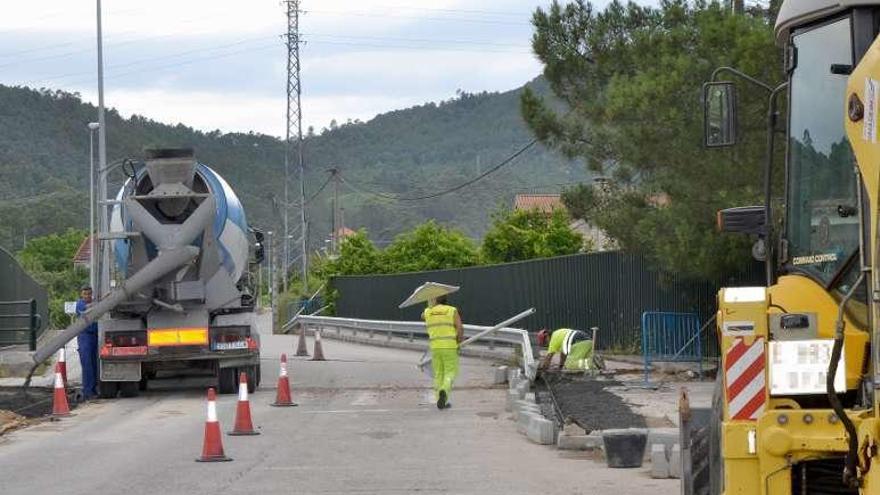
(441, 401)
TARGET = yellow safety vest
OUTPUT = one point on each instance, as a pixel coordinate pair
(441, 326)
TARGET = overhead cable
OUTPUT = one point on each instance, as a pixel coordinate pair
(450, 190)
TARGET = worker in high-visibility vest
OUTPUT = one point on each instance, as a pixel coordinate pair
(445, 332)
(575, 348)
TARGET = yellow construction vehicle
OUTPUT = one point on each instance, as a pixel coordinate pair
(797, 408)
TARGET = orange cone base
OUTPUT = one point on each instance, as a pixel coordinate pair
(301, 349)
(234, 433)
(221, 458)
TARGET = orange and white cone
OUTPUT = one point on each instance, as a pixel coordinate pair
(282, 396)
(60, 407)
(62, 361)
(301, 347)
(212, 449)
(318, 355)
(243, 423)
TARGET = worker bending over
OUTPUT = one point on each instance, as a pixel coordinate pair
(575, 348)
(445, 333)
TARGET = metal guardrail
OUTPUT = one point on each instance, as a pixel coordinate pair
(412, 330)
(13, 334)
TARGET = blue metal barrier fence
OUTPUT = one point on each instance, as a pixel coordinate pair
(671, 337)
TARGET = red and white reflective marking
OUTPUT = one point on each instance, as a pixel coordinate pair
(242, 391)
(745, 379)
(212, 409)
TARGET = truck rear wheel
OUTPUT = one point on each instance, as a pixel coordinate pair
(108, 390)
(129, 389)
(227, 381)
(252, 380)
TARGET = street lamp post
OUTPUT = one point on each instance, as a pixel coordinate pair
(93, 272)
(102, 162)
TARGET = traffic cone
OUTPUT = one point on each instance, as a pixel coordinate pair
(301, 349)
(60, 407)
(319, 350)
(243, 423)
(282, 396)
(212, 449)
(62, 361)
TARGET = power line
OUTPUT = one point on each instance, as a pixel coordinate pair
(450, 190)
(417, 18)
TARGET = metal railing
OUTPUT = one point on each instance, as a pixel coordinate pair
(24, 326)
(412, 330)
(671, 337)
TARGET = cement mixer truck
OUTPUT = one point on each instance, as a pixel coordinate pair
(183, 303)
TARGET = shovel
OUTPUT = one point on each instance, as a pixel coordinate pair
(426, 357)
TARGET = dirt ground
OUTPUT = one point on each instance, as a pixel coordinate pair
(587, 401)
(18, 410)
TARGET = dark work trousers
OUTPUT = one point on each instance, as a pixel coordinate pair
(88, 360)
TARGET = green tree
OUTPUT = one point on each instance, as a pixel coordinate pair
(357, 256)
(49, 259)
(528, 234)
(629, 81)
(430, 246)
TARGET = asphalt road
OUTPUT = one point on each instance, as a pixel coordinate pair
(364, 425)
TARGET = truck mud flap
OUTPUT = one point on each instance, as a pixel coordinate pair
(695, 440)
(120, 372)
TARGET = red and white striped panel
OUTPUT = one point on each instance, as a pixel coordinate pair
(746, 384)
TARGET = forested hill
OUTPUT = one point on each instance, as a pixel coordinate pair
(44, 159)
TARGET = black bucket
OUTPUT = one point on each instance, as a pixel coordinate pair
(624, 448)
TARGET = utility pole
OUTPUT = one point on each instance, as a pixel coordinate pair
(271, 272)
(102, 166)
(93, 242)
(294, 118)
(334, 238)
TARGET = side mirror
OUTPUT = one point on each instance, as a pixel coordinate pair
(719, 114)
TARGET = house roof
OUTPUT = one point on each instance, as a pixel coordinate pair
(81, 257)
(546, 203)
(343, 232)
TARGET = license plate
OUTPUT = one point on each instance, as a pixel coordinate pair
(140, 350)
(225, 346)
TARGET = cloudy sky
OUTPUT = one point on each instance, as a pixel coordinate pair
(221, 64)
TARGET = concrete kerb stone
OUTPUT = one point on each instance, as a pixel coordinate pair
(513, 375)
(541, 430)
(659, 462)
(573, 437)
(501, 375)
(523, 387)
(518, 412)
(661, 436)
(512, 397)
(523, 420)
(675, 462)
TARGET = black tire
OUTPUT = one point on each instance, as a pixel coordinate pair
(108, 390)
(129, 389)
(251, 372)
(227, 380)
(716, 460)
(142, 385)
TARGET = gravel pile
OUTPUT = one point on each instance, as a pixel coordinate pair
(587, 402)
